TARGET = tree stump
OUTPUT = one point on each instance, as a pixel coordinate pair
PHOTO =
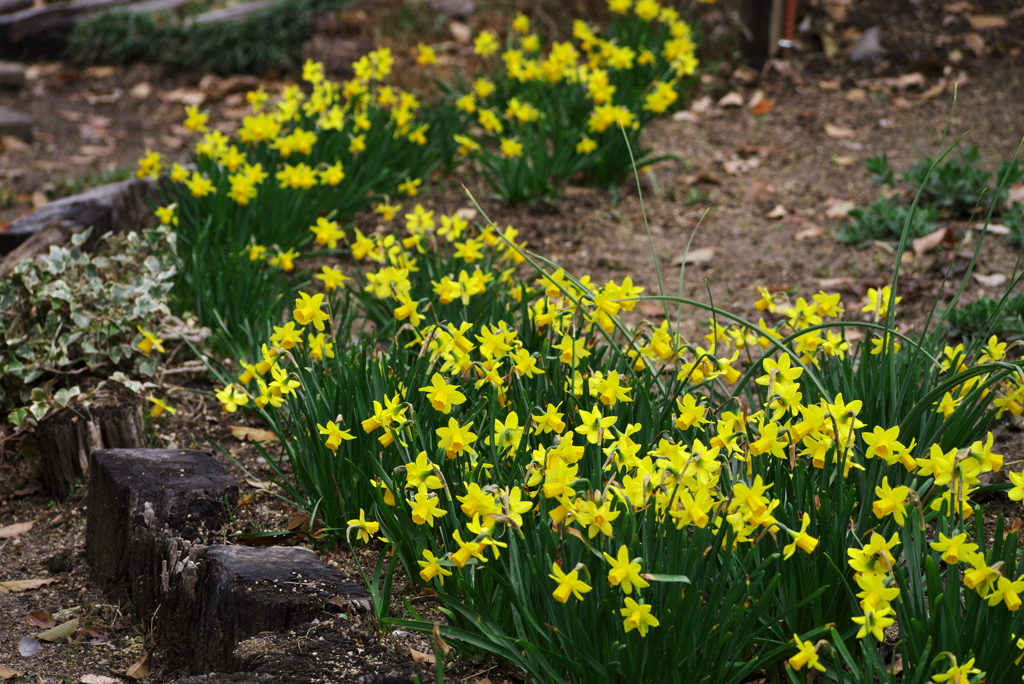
(66, 438)
(116, 207)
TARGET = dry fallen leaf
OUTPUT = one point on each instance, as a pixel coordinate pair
(837, 208)
(733, 99)
(172, 142)
(855, 95)
(104, 98)
(907, 80)
(700, 177)
(975, 43)
(1016, 194)
(903, 104)
(421, 658)
(695, 256)
(97, 121)
(993, 228)
(834, 283)
(778, 212)
(16, 529)
(12, 143)
(99, 72)
(257, 484)
(756, 98)
(97, 150)
(29, 646)
(185, 96)
(60, 631)
(685, 116)
(746, 75)
(994, 280)
(25, 585)
(98, 679)
(935, 90)
(217, 88)
(91, 635)
(140, 670)
(808, 234)
(926, 243)
(460, 32)
(762, 107)
(959, 7)
(844, 160)
(69, 115)
(701, 105)
(242, 433)
(439, 640)
(40, 619)
(833, 84)
(141, 90)
(8, 673)
(735, 166)
(839, 132)
(987, 22)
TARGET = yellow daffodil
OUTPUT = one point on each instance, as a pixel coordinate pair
(231, 397)
(569, 584)
(807, 653)
(334, 434)
(957, 674)
(159, 407)
(307, 310)
(801, 539)
(624, 572)
(637, 616)
(149, 342)
(441, 395)
(890, 500)
(432, 568)
(364, 529)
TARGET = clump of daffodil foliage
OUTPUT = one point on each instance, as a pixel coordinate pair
(540, 114)
(321, 151)
(304, 156)
(590, 500)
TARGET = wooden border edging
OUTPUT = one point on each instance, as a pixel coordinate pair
(151, 514)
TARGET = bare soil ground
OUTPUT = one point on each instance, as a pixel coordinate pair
(734, 168)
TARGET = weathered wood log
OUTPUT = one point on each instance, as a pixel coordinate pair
(65, 439)
(156, 6)
(149, 514)
(140, 493)
(8, 6)
(232, 14)
(56, 232)
(116, 207)
(41, 31)
(12, 75)
(241, 591)
(15, 123)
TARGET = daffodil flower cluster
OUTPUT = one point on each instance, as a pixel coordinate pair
(541, 113)
(508, 427)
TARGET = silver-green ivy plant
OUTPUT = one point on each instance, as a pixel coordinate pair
(70, 314)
